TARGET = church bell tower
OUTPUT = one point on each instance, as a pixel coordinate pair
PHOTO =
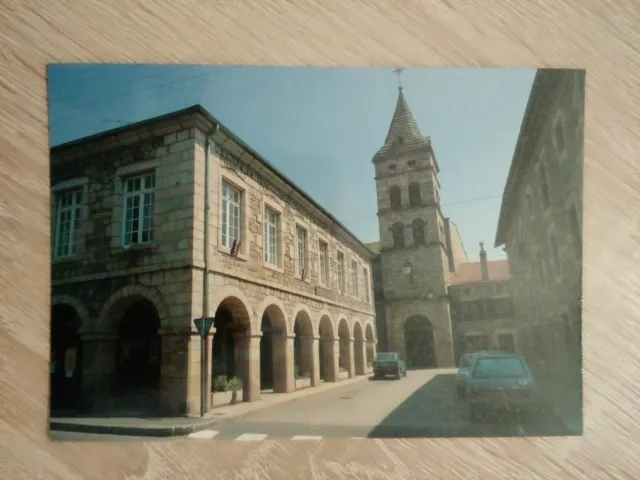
(413, 256)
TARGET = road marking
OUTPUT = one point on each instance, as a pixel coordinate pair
(357, 438)
(203, 434)
(251, 437)
(305, 437)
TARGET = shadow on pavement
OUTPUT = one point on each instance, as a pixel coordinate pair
(434, 411)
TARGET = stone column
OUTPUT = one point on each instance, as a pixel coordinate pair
(331, 358)
(179, 372)
(248, 364)
(351, 367)
(284, 366)
(360, 357)
(310, 351)
(98, 370)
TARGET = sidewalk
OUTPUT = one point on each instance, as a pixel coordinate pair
(175, 426)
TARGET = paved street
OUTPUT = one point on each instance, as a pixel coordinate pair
(421, 405)
(58, 436)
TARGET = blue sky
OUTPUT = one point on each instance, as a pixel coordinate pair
(321, 126)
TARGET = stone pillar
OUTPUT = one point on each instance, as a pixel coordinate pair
(331, 358)
(283, 363)
(98, 370)
(351, 367)
(360, 357)
(248, 364)
(310, 351)
(179, 372)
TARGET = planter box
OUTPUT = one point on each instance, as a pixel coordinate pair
(303, 383)
(343, 375)
(219, 399)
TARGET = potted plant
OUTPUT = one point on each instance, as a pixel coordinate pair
(343, 373)
(303, 380)
(234, 385)
(220, 389)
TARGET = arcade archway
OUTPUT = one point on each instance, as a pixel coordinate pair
(419, 342)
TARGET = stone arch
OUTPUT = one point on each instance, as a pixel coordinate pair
(359, 346)
(274, 306)
(233, 323)
(345, 358)
(273, 347)
(304, 338)
(134, 315)
(68, 318)
(299, 308)
(419, 342)
(78, 305)
(327, 349)
(397, 231)
(414, 194)
(417, 227)
(370, 341)
(395, 197)
(131, 292)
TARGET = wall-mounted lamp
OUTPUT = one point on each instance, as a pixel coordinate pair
(407, 268)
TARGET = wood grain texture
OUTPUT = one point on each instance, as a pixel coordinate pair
(601, 36)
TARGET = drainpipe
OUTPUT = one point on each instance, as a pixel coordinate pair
(205, 278)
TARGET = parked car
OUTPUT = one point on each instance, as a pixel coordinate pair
(464, 368)
(500, 382)
(389, 363)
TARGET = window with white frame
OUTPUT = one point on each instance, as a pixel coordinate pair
(231, 215)
(139, 203)
(323, 263)
(354, 278)
(271, 227)
(365, 273)
(301, 252)
(68, 221)
(341, 271)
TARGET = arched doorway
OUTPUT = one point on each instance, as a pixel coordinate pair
(231, 323)
(359, 346)
(344, 336)
(273, 358)
(137, 371)
(303, 346)
(66, 358)
(370, 345)
(326, 350)
(419, 342)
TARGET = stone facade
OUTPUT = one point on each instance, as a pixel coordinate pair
(541, 218)
(131, 209)
(482, 307)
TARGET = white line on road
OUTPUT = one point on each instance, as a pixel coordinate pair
(251, 437)
(357, 438)
(305, 437)
(203, 434)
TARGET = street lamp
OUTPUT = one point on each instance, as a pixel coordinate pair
(203, 325)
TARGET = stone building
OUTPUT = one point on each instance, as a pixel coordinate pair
(541, 218)
(175, 218)
(482, 307)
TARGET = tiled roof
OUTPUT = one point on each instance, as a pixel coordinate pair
(404, 125)
(471, 272)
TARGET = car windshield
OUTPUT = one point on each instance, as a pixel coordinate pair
(465, 361)
(499, 367)
(386, 356)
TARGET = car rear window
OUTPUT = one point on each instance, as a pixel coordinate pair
(385, 357)
(499, 367)
(465, 361)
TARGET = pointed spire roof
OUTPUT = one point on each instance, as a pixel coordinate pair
(404, 133)
(403, 124)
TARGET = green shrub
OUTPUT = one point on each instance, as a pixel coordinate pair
(220, 384)
(234, 384)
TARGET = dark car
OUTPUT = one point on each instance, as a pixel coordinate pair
(389, 364)
(500, 382)
(464, 369)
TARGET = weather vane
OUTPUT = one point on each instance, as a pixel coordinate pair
(398, 71)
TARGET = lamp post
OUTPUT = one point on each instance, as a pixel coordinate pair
(203, 325)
